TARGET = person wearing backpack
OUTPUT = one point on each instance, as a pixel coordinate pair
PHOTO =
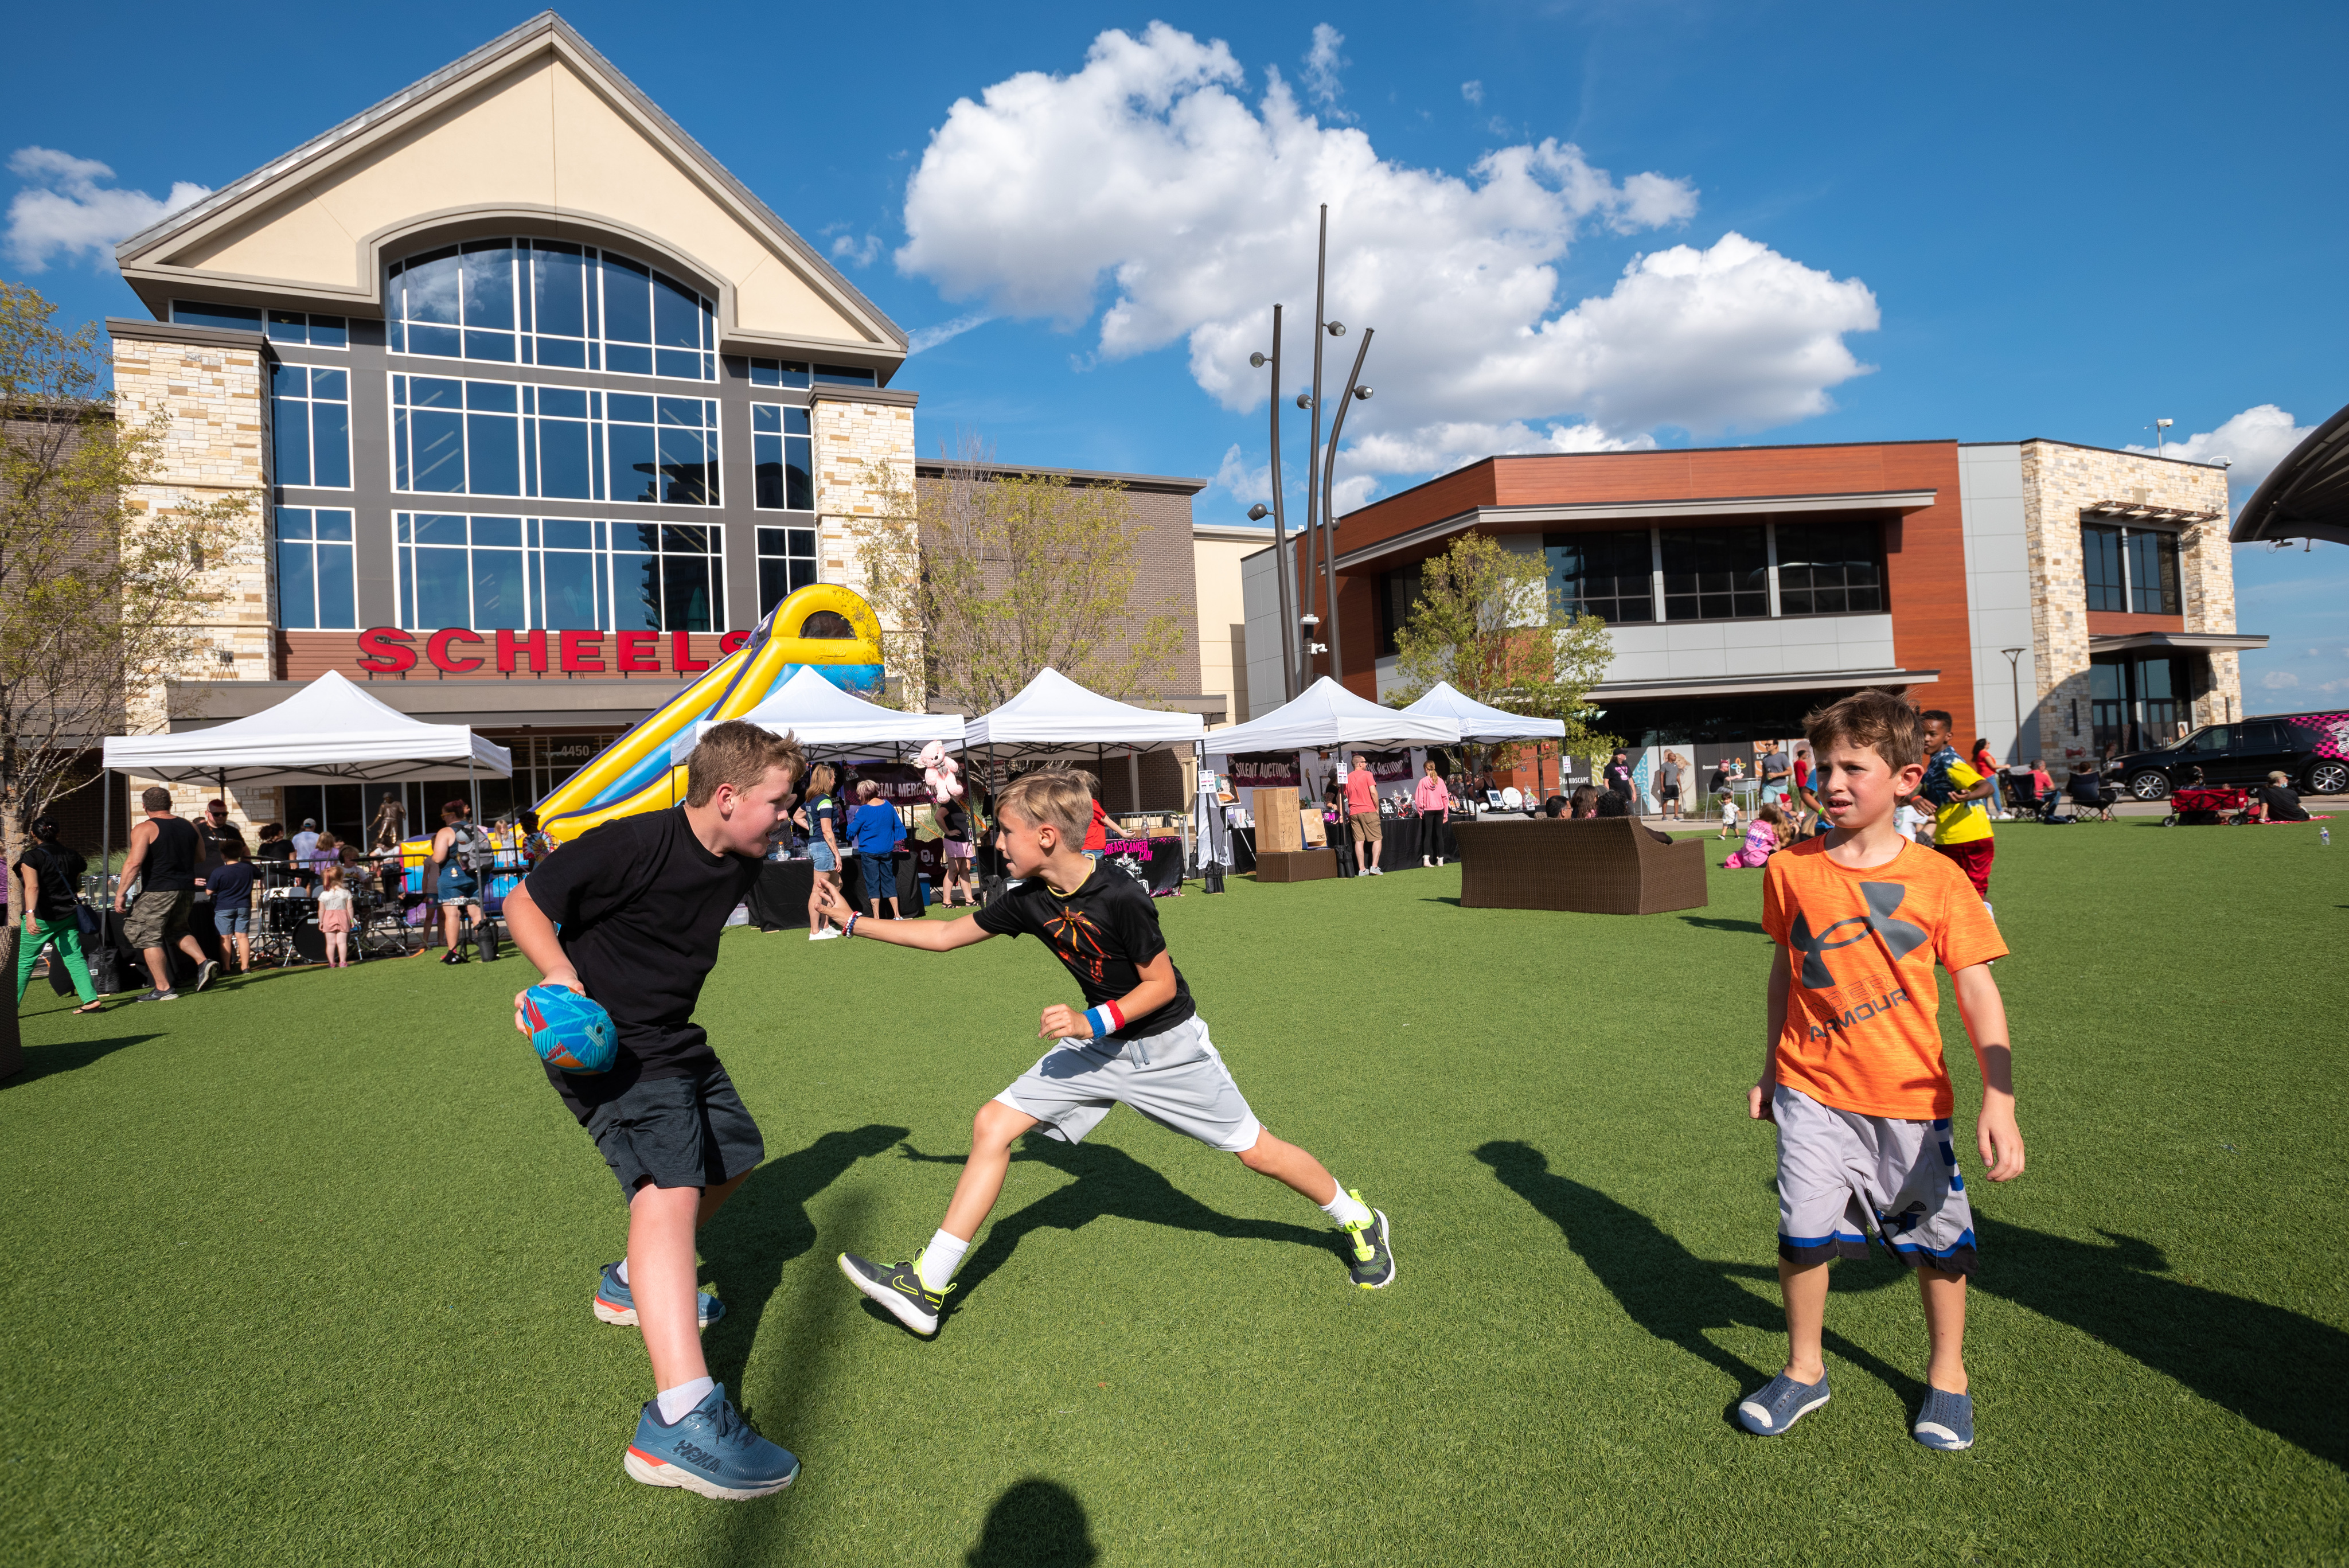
(460, 854)
(49, 876)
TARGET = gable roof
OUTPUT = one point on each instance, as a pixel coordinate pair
(774, 289)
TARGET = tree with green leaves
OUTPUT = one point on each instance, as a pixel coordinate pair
(989, 575)
(1486, 620)
(97, 596)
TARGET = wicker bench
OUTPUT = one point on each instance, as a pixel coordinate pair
(1600, 866)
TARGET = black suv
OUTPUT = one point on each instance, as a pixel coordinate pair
(2307, 748)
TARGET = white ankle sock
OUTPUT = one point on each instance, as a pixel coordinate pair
(623, 1273)
(939, 1259)
(1346, 1209)
(675, 1403)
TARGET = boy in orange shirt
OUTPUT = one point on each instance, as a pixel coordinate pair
(1853, 1077)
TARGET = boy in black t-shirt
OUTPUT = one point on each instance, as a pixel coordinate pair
(1138, 1041)
(629, 913)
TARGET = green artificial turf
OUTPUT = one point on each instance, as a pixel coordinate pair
(299, 1271)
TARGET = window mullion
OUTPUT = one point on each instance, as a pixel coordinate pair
(1770, 559)
(1656, 574)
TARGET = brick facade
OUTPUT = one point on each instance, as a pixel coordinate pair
(2060, 483)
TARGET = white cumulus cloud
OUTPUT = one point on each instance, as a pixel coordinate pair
(856, 252)
(1145, 187)
(2254, 441)
(1322, 64)
(1473, 91)
(2278, 680)
(63, 210)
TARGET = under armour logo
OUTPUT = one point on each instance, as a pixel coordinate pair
(1900, 937)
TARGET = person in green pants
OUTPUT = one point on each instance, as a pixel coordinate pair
(48, 877)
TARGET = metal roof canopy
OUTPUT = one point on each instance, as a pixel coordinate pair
(2306, 496)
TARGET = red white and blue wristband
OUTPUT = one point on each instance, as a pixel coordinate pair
(1105, 1019)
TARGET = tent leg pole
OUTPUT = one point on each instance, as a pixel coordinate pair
(105, 834)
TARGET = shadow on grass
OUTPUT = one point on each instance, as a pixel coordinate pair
(1711, 923)
(1669, 1291)
(764, 1227)
(1110, 1181)
(1036, 1523)
(40, 1061)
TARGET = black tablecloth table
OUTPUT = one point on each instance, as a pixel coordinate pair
(779, 899)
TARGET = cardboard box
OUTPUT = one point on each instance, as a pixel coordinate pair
(1276, 827)
(1311, 828)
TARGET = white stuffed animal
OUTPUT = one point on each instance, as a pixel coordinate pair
(941, 773)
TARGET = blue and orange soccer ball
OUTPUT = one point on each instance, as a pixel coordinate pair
(569, 1031)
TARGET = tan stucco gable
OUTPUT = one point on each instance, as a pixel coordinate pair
(534, 133)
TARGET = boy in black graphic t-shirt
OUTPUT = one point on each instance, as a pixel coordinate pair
(1138, 1041)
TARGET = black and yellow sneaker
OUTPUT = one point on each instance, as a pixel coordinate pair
(1370, 1260)
(899, 1288)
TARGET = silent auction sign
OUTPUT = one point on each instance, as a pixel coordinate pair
(388, 651)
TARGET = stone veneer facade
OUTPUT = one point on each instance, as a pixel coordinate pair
(2060, 483)
(855, 444)
(215, 444)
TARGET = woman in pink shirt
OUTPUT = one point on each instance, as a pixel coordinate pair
(1435, 802)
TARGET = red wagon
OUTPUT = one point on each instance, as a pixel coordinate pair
(2205, 808)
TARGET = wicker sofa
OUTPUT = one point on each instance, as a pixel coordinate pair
(1599, 865)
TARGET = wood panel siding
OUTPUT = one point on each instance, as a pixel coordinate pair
(2119, 623)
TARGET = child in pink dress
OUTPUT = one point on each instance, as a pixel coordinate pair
(1762, 839)
(335, 916)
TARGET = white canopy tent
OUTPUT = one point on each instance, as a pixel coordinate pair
(330, 732)
(1482, 724)
(1327, 714)
(1053, 714)
(827, 720)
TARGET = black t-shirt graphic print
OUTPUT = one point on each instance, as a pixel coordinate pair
(1102, 934)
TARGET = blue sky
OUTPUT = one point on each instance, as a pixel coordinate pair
(1574, 226)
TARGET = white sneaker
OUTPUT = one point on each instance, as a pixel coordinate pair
(825, 935)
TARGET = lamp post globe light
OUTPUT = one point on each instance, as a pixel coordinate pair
(1298, 648)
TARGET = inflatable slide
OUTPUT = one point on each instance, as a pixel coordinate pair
(823, 625)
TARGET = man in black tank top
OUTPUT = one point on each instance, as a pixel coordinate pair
(164, 852)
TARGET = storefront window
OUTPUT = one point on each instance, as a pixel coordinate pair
(782, 458)
(1715, 574)
(310, 421)
(2136, 703)
(494, 438)
(517, 573)
(315, 581)
(786, 563)
(2130, 568)
(281, 325)
(543, 302)
(1398, 592)
(1829, 568)
(1608, 575)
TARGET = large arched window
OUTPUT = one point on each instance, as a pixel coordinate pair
(546, 302)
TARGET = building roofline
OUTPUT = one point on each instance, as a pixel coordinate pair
(545, 23)
(1236, 533)
(936, 467)
(2090, 446)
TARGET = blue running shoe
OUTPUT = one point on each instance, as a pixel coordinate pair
(711, 1451)
(1780, 1403)
(1947, 1421)
(614, 1304)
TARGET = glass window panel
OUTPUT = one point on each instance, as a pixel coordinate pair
(635, 474)
(294, 523)
(334, 524)
(490, 397)
(565, 352)
(2153, 677)
(775, 583)
(685, 411)
(337, 596)
(677, 314)
(763, 373)
(497, 590)
(297, 588)
(201, 313)
(558, 283)
(636, 592)
(330, 439)
(288, 380)
(430, 287)
(402, 529)
(645, 537)
(444, 341)
(2153, 573)
(564, 402)
(795, 422)
(1603, 574)
(770, 542)
(1715, 574)
(496, 345)
(435, 392)
(489, 285)
(569, 590)
(2100, 551)
(627, 300)
(686, 466)
(503, 531)
(766, 419)
(442, 589)
(843, 375)
(634, 407)
(686, 585)
(330, 332)
(800, 488)
(335, 386)
(1829, 568)
(803, 574)
(494, 466)
(767, 473)
(803, 541)
(561, 534)
(684, 539)
(627, 359)
(564, 469)
(681, 364)
(292, 419)
(288, 327)
(439, 528)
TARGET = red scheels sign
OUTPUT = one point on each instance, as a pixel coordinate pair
(388, 651)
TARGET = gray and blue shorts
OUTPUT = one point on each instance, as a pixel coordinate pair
(1176, 1078)
(1843, 1176)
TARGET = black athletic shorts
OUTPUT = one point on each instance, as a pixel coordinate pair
(677, 1132)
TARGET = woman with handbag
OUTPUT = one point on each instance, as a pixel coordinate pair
(49, 876)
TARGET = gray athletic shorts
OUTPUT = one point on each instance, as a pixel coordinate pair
(1176, 1078)
(1842, 1175)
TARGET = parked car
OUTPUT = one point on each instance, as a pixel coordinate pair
(2311, 749)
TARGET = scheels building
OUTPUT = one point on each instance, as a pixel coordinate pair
(538, 408)
(2063, 602)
